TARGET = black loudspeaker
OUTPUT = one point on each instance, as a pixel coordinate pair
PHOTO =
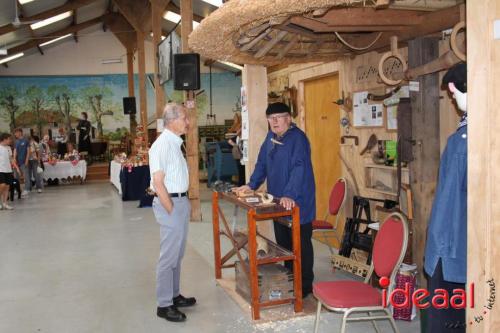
(186, 71)
(129, 105)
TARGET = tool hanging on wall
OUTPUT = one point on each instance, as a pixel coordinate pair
(372, 142)
(354, 137)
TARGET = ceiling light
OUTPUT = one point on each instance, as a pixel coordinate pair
(51, 20)
(230, 64)
(216, 3)
(111, 61)
(22, 2)
(55, 40)
(176, 18)
(12, 57)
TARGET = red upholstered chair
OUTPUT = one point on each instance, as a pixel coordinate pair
(324, 228)
(351, 297)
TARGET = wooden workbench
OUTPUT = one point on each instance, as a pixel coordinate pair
(255, 214)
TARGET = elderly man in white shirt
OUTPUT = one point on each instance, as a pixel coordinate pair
(170, 181)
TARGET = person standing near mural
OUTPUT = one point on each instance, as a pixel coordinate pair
(21, 158)
(61, 140)
(84, 128)
(6, 163)
(34, 162)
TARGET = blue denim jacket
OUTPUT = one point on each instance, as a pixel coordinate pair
(288, 169)
(447, 230)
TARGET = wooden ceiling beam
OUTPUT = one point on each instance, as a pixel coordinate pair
(122, 30)
(288, 46)
(70, 5)
(269, 45)
(319, 27)
(62, 32)
(174, 9)
(368, 16)
(137, 13)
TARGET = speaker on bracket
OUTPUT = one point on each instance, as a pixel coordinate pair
(186, 71)
(129, 105)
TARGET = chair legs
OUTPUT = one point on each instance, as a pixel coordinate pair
(316, 321)
(391, 320)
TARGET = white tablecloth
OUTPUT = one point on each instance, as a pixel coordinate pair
(64, 169)
(114, 171)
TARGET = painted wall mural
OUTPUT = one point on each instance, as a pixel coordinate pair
(43, 102)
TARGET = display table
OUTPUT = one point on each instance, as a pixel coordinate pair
(64, 169)
(114, 175)
(134, 183)
(255, 214)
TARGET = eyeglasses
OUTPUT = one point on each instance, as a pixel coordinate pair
(277, 116)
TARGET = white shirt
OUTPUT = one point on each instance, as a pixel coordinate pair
(166, 155)
(5, 156)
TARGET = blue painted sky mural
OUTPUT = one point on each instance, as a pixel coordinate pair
(40, 92)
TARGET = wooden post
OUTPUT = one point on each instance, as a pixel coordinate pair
(192, 135)
(483, 210)
(216, 233)
(252, 262)
(297, 262)
(425, 122)
(130, 76)
(142, 83)
(157, 12)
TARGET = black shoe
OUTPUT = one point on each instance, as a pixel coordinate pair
(170, 313)
(182, 302)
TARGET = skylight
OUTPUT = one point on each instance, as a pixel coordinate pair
(51, 20)
(175, 18)
(12, 57)
(55, 40)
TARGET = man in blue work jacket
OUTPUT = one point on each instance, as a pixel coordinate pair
(446, 246)
(285, 162)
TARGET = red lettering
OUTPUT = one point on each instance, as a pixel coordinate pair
(419, 295)
(471, 295)
(384, 298)
(459, 299)
(440, 299)
(406, 294)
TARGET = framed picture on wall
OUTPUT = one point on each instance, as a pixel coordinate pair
(366, 112)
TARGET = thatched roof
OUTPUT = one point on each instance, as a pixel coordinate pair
(272, 32)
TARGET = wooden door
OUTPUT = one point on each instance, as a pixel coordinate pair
(322, 124)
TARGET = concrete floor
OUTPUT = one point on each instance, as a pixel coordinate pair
(78, 259)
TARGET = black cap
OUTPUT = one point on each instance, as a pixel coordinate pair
(277, 108)
(458, 75)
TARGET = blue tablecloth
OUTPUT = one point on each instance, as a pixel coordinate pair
(134, 183)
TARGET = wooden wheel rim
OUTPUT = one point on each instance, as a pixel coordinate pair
(384, 78)
(453, 41)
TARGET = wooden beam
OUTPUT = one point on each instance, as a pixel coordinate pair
(122, 30)
(483, 179)
(131, 93)
(192, 135)
(157, 9)
(142, 82)
(293, 41)
(62, 32)
(257, 39)
(70, 5)
(137, 13)
(174, 9)
(320, 27)
(269, 45)
(425, 132)
(75, 34)
(381, 4)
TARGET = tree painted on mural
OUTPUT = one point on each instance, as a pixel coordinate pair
(201, 100)
(35, 99)
(9, 105)
(62, 97)
(99, 99)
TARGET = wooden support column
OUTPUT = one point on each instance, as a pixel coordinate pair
(425, 129)
(142, 82)
(157, 9)
(192, 135)
(483, 208)
(130, 77)
(254, 80)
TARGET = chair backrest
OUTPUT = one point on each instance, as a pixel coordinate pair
(337, 196)
(390, 245)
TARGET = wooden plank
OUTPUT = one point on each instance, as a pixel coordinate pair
(483, 210)
(192, 150)
(257, 39)
(174, 9)
(369, 16)
(293, 41)
(321, 27)
(70, 5)
(269, 45)
(137, 13)
(297, 267)
(252, 262)
(425, 129)
(141, 58)
(122, 30)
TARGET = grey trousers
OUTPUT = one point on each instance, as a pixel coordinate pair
(27, 177)
(173, 234)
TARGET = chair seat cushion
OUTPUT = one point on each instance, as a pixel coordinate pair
(347, 294)
(320, 224)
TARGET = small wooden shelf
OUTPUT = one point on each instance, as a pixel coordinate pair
(383, 178)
